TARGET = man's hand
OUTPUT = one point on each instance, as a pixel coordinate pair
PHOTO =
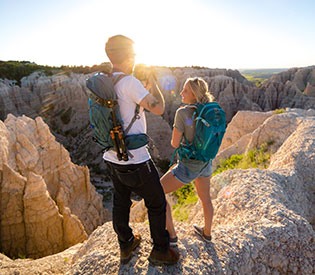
(154, 102)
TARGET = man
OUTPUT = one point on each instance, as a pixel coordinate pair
(138, 174)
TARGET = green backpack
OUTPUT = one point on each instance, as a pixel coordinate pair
(105, 119)
(210, 122)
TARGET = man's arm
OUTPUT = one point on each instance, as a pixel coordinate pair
(154, 102)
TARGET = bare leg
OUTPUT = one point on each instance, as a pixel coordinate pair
(170, 184)
(203, 190)
(169, 221)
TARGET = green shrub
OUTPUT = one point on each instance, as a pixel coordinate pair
(229, 163)
(181, 212)
(279, 111)
(255, 158)
(186, 196)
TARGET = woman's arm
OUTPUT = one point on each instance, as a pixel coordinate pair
(176, 138)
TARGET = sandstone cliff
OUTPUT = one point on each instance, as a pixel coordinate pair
(47, 203)
(264, 219)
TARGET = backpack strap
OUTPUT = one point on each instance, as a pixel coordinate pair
(177, 150)
(172, 160)
(199, 116)
(136, 116)
(116, 78)
(173, 157)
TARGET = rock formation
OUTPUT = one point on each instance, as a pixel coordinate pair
(264, 219)
(288, 89)
(47, 203)
(61, 100)
(249, 130)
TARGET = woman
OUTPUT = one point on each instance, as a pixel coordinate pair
(195, 90)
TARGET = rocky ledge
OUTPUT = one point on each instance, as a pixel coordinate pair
(264, 219)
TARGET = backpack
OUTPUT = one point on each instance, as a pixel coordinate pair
(105, 119)
(210, 128)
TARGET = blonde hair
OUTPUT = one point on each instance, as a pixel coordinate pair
(200, 89)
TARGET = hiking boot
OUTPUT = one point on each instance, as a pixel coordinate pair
(173, 241)
(168, 257)
(199, 231)
(126, 253)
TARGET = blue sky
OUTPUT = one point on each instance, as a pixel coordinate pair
(211, 33)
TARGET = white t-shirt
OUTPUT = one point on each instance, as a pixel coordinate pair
(130, 92)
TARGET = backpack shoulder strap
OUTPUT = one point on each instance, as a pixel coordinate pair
(135, 117)
(172, 159)
(116, 79)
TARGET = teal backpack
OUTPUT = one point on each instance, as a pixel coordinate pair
(105, 119)
(210, 128)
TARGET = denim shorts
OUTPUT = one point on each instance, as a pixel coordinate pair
(188, 170)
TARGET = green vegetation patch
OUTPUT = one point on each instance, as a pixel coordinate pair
(15, 70)
(258, 81)
(186, 196)
(258, 76)
(254, 158)
(279, 111)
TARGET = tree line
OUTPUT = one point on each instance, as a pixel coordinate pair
(16, 70)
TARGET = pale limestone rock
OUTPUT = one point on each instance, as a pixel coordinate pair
(275, 130)
(160, 133)
(310, 89)
(263, 223)
(43, 223)
(273, 209)
(49, 203)
(286, 89)
(4, 140)
(259, 128)
(243, 122)
(138, 211)
(13, 234)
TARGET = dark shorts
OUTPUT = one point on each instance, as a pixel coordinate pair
(188, 170)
